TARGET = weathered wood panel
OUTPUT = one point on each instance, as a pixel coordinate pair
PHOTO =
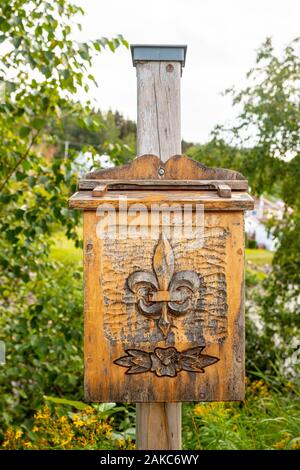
(158, 108)
(177, 167)
(238, 185)
(210, 199)
(153, 332)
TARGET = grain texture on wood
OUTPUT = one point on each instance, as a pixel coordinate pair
(166, 433)
(158, 108)
(224, 190)
(158, 133)
(236, 185)
(209, 199)
(177, 167)
(99, 190)
(140, 349)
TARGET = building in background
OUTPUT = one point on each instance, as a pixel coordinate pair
(255, 221)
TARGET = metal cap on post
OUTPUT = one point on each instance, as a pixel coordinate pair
(158, 53)
(159, 70)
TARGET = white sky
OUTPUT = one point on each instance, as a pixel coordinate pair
(222, 38)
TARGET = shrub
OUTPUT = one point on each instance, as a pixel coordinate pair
(266, 420)
(58, 429)
(250, 243)
(42, 327)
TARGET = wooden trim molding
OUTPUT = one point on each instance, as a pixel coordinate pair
(178, 167)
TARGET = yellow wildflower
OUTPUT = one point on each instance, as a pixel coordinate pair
(44, 413)
(5, 444)
(211, 410)
(121, 444)
(258, 389)
(19, 433)
(283, 442)
(296, 444)
(78, 423)
(290, 386)
(28, 444)
(280, 444)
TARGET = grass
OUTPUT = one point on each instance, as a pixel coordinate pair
(266, 420)
(64, 250)
(259, 256)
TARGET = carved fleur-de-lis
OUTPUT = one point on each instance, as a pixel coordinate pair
(162, 294)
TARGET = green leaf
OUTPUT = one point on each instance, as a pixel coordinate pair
(49, 55)
(38, 123)
(24, 131)
(66, 73)
(17, 42)
(123, 41)
(46, 71)
(4, 25)
(92, 78)
(79, 405)
(26, 165)
(103, 407)
(97, 46)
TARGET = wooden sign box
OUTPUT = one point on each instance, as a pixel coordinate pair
(164, 315)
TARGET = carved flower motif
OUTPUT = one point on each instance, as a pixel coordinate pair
(162, 294)
(165, 362)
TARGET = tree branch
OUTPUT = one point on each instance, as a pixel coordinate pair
(18, 163)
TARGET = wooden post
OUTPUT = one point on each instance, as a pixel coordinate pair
(158, 425)
(158, 109)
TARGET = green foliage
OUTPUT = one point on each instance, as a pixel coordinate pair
(42, 68)
(257, 342)
(264, 145)
(272, 326)
(42, 326)
(270, 122)
(218, 153)
(36, 47)
(79, 405)
(265, 142)
(267, 420)
(60, 428)
(286, 273)
(252, 244)
(99, 133)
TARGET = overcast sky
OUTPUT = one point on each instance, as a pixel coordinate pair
(222, 38)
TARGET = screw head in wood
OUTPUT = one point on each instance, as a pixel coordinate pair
(161, 171)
